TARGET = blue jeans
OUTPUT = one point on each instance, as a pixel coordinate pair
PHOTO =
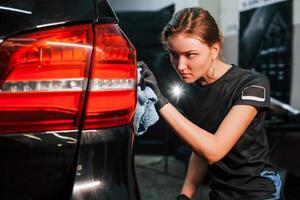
(275, 178)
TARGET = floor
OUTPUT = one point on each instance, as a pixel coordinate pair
(161, 178)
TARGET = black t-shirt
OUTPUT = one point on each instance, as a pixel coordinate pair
(237, 175)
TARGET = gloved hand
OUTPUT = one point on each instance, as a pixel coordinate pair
(182, 197)
(148, 79)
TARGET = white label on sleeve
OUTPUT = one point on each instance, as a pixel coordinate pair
(255, 93)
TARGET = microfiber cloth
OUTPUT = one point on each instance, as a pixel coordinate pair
(145, 114)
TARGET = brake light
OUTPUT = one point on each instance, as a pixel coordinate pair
(112, 96)
(42, 77)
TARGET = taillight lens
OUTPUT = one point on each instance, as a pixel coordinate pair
(112, 96)
(42, 77)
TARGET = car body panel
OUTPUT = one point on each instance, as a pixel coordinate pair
(67, 164)
(45, 165)
(17, 15)
(37, 165)
(110, 175)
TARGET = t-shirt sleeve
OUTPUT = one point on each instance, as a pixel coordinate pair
(255, 91)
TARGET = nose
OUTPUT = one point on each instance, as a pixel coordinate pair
(181, 65)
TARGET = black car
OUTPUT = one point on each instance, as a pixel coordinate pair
(67, 101)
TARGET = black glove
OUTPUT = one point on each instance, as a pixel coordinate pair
(182, 197)
(148, 79)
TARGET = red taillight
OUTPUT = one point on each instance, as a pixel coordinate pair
(112, 96)
(42, 77)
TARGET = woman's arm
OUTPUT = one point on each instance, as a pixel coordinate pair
(196, 172)
(213, 147)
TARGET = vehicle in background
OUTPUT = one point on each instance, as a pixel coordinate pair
(67, 101)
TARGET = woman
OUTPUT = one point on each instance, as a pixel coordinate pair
(228, 138)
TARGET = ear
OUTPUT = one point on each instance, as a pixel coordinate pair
(215, 49)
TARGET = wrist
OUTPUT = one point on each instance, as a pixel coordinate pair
(162, 101)
(182, 197)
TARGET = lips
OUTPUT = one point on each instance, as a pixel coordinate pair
(184, 75)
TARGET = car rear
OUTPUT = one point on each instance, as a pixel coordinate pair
(67, 100)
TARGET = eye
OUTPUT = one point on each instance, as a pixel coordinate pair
(190, 55)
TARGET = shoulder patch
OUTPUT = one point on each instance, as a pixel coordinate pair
(254, 92)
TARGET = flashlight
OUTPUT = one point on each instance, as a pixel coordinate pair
(176, 91)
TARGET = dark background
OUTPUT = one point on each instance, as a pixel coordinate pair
(143, 28)
(265, 42)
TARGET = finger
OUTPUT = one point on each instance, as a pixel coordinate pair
(143, 75)
(140, 64)
(148, 82)
(143, 85)
(146, 73)
(143, 65)
(145, 82)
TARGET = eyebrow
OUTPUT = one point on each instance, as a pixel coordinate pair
(185, 52)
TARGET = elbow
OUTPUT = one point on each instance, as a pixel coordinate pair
(212, 152)
(212, 157)
(213, 160)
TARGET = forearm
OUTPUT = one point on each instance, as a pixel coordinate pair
(196, 172)
(201, 141)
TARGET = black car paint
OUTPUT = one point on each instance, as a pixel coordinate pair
(37, 165)
(43, 165)
(29, 15)
(57, 164)
(111, 175)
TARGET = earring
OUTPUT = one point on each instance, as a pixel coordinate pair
(213, 69)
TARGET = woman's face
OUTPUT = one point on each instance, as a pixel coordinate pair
(191, 58)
